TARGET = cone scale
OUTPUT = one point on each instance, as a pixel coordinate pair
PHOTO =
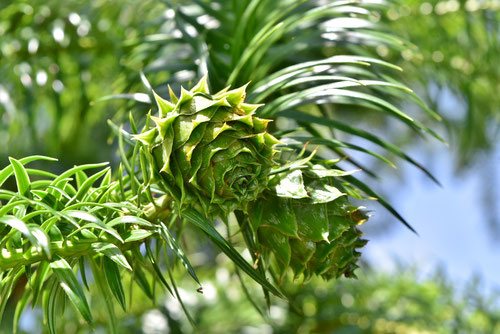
(212, 153)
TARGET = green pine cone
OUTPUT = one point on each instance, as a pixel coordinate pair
(210, 152)
(311, 239)
(308, 224)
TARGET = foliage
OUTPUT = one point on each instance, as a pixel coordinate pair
(457, 61)
(394, 303)
(377, 302)
(185, 175)
(56, 62)
(60, 222)
(399, 302)
(57, 224)
(301, 59)
(52, 57)
(48, 84)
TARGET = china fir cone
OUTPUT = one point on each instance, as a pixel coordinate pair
(211, 153)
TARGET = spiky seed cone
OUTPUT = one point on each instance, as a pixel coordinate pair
(210, 151)
(318, 239)
(335, 256)
(308, 225)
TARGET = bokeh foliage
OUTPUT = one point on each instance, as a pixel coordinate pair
(56, 60)
(455, 61)
(401, 302)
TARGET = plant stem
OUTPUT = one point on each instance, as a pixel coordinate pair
(64, 249)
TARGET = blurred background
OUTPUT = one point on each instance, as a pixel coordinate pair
(65, 68)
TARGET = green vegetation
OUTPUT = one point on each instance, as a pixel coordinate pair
(270, 170)
(455, 58)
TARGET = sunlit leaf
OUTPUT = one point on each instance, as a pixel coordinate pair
(71, 287)
(113, 253)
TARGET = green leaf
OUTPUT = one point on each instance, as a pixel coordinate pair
(21, 304)
(306, 118)
(335, 144)
(7, 286)
(7, 171)
(142, 281)
(37, 282)
(83, 274)
(137, 235)
(206, 226)
(104, 285)
(164, 106)
(312, 220)
(22, 227)
(292, 185)
(380, 199)
(114, 279)
(302, 253)
(129, 220)
(87, 184)
(94, 222)
(112, 252)
(321, 192)
(71, 287)
(157, 269)
(179, 298)
(42, 240)
(22, 178)
(278, 243)
(283, 76)
(178, 252)
(320, 171)
(80, 178)
(83, 215)
(274, 212)
(63, 178)
(53, 298)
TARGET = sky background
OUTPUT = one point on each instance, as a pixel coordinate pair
(453, 231)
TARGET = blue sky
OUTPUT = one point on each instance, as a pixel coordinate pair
(450, 222)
